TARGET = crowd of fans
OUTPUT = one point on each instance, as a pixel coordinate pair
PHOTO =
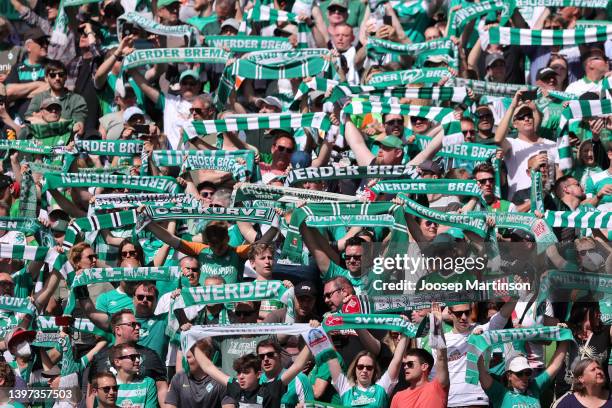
(83, 98)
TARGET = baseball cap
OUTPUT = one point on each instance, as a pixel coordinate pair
(390, 141)
(545, 72)
(269, 100)
(591, 52)
(50, 101)
(300, 160)
(456, 233)
(231, 22)
(305, 289)
(131, 111)
(35, 34)
(517, 363)
(519, 234)
(521, 108)
(166, 3)
(50, 373)
(430, 166)
(338, 3)
(17, 335)
(494, 57)
(189, 73)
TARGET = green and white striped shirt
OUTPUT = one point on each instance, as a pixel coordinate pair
(140, 393)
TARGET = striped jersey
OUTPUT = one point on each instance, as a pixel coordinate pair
(140, 393)
(596, 182)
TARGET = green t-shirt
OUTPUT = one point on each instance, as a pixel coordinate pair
(299, 389)
(230, 266)
(596, 182)
(140, 393)
(374, 396)
(502, 397)
(113, 301)
(551, 117)
(23, 283)
(321, 371)
(153, 334)
(335, 270)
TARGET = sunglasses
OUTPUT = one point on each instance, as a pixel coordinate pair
(336, 10)
(584, 252)
(469, 132)
(270, 355)
(109, 388)
(199, 111)
(328, 295)
(394, 122)
(53, 108)
(411, 364)
(524, 373)
(361, 367)
(486, 180)
(189, 83)
(126, 254)
(459, 313)
(484, 115)
(284, 149)
(92, 257)
(356, 257)
(192, 269)
(415, 119)
(57, 74)
(148, 298)
(133, 325)
(430, 223)
(206, 194)
(132, 357)
(527, 116)
(244, 313)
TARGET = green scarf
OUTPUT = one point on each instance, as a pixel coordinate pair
(17, 305)
(527, 222)
(26, 146)
(341, 321)
(52, 134)
(220, 163)
(579, 219)
(177, 157)
(47, 324)
(155, 184)
(45, 168)
(490, 88)
(536, 194)
(593, 23)
(197, 55)
(265, 14)
(464, 151)
(47, 255)
(459, 19)
(98, 222)
(29, 226)
(28, 200)
(430, 186)
(256, 215)
(410, 76)
(252, 192)
(523, 36)
(125, 148)
(109, 201)
(235, 292)
(562, 3)
(247, 43)
(385, 47)
(101, 275)
(478, 344)
(350, 172)
(154, 27)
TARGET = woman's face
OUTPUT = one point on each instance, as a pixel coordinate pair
(428, 229)
(520, 380)
(586, 154)
(128, 251)
(593, 375)
(560, 67)
(364, 371)
(88, 259)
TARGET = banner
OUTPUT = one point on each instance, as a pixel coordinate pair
(235, 292)
(350, 172)
(126, 148)
(479, 343)
(156, 184)
(193, 55)
(251, 192)
(247, 43)
(410, 76)
(219, 163)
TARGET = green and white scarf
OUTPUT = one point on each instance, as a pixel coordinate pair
(535, 193)
(190, 337)
(410, 76)
(562, 3)
(125, 148)
(28, 200)
(26, 146)
(470, 222)
(155, 184)
(252, 192)
(235, 292)
(247, 43)
(350, 172)
(281, 64)
(579, 219)
(59, 34)
(101, 275)
(106, 201)
(29, 226)
(17, 305)
(376, 214)
(430, 186)
(464, 151)
(469, 11)
(523, 36)
(47, 255)
(47, 324)
(220, 163)
(478, 344)
(490, 88)
(44, 168)
(593, 23)
(177, 157)
(385, 47)
(342, 321)
(193, 55)
(98, 222)
(524, 221)
(52, 134)
(265, 14)
(577, 110)
(154, 27)
(376, 92)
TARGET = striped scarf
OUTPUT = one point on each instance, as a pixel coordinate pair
(43, 168)
(342, 321)
(110, 147)
(265, 14)
(350, 172)
(430, 186)
(177, 157)
(535, 193)
(28, 200)
(194, 55)
(409, 76)
(458, 19)
(98, 222)
(464, 151)
(26, 146)
(250, 192)
(154, 27)
(579, 219)
(27, 225)
(490, 88)
(107, 201)
(100, 275)
(522, 36)
(524, 221)
(220, 163)
(47, 255)
(562, 3)
(235, 292)
(385, 47)
(247, 43)
(52, 134)
(155, 184)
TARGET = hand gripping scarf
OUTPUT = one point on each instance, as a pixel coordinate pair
(194, 55)
(151, 26)
(251, 192)
(155, 184)
(350, 172)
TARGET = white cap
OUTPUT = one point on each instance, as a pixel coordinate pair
(517, 364)
(131, 111)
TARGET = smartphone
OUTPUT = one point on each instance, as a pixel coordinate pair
(181, 316)
(64, 321)
(529, 95)
(128, 29)
(141, 130)
(387, 20)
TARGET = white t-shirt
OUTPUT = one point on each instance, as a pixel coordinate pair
(582, 86)
(176, 111)
(461, 393)
(516, 161)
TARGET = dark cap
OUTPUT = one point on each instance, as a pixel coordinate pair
(545, 72)
(50, 373)
(50, 101)
(493, 58)
(5, 181)
(431, 166)
(521, 108)
(518, 234)
(305, 289)
(591, 52)
(300, 160)
(35, 34)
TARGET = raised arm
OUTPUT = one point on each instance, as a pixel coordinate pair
(486, 381)
(504, 125)
(151, 93)
(164, 235)
(557, 359)
(297, 366)
(432, 148)
(355, 140)
(441, 350)
(314, 241)
(396, 361)
(208, 367)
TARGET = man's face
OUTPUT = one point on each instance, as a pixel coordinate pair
(170, 13)
(337, 15)
(56, 79)
(245, 313)
(304, 305)
(352, 256)
(574, 189)
(51, 113)
(199, 110)
(7, 285)
(281, 152)
(248, 379)
(461, 317)
(270, 361)
(419, 125)
(107, 391)
(189, 87)
(497, 70)
(206, 194)
(266, 108)
(388, 155)
(523, 121)
(486, 182)
(394, 125)
(263, 263)
(313, 185)
(38, 49)
(129, 360)
(412, 368)
(598, 64)
(432, 33)
(343, 38)
(485, 120)
(333, 296)
(469, 133)
(128, 330)
(144, 301)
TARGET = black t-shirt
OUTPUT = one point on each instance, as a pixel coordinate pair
(185, 391)
(150, 363)
(267, 395)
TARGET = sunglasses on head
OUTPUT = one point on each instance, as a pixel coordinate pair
(57, 74)
(270, 355)
(284, 149)
(126, 254)
(361, 367)
(132, 357)
(459, 313)
(109, 388)
(148, 298)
